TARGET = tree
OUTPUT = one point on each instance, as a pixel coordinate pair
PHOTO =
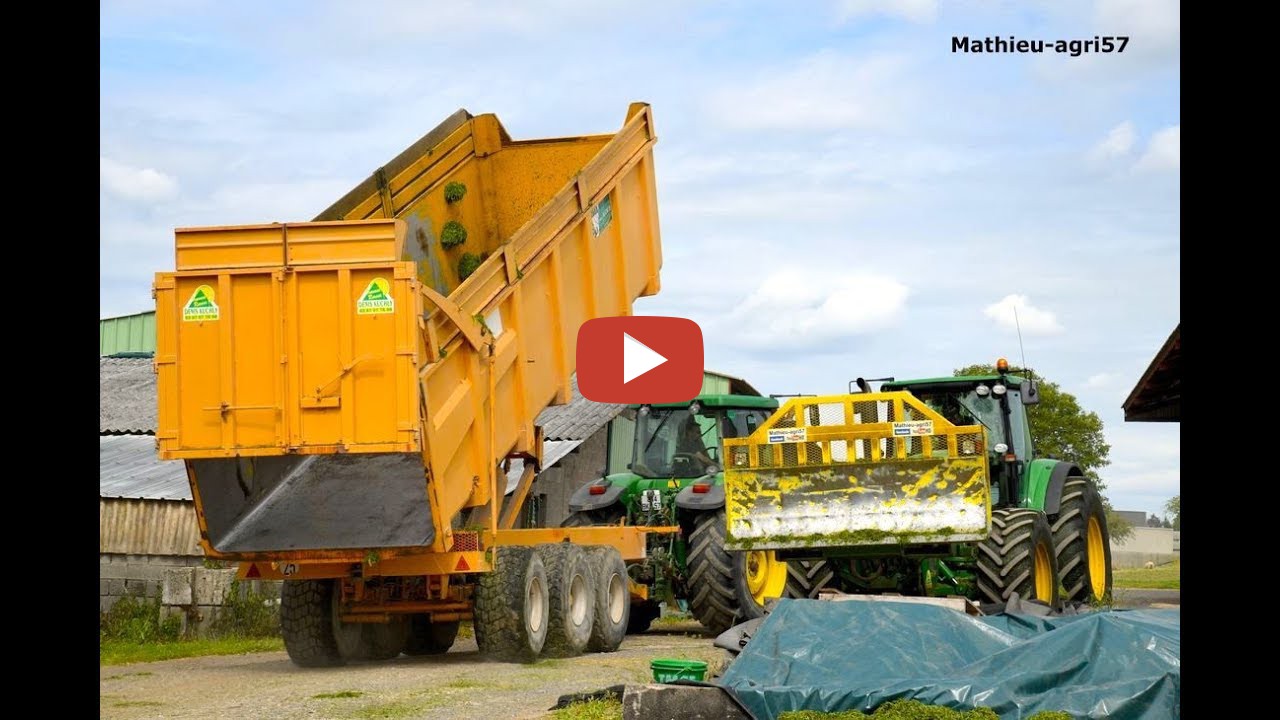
(1174, 506)
(1063, 430)
(1153, 521)
(1164, 523)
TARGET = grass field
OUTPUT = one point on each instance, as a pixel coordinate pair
(119, 652)
(1162, 577)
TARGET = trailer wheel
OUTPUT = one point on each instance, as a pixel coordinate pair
(366, 641)
(1018, 557)
(612, 599)
(806, 578)
(1083, 543)
(728, 587)
(512, 605)
(306, 622)
(430, 638)
(572, 603)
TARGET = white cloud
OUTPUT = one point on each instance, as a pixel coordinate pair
(916, 11)
(1099, 380)
(1118, 142)
(1153, 25)
(134, 183)
(825, 91)
(1014, 310)
(793, 308)
(1164, 151)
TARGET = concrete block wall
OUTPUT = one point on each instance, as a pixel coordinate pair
(558, 483)
(139, 576)
(197, 594)
(1148, 544)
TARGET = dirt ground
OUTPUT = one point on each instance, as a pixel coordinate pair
(457, 685)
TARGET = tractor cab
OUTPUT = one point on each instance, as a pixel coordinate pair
(999, 404)
(677, 441)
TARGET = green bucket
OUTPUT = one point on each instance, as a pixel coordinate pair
(665, 671)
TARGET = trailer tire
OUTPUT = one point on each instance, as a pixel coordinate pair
(720, 580)
(570, 586)
(430, 638)
(306, 623)
(1018, 557)
(612, 601)
(512, 605)
(1083, 543)
(806, 578)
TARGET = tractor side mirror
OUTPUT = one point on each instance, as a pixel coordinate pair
(1030, 390)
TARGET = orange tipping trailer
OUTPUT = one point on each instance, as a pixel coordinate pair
(344, 392)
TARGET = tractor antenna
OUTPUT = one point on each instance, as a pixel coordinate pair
(1021, 350)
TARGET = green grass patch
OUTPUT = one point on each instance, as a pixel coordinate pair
(608, 709)
(341, 694)
(121, 676)
(136, 703)
(1163, 577)
(137, 620)
(395, 710)
(454, 192)
(123, 652)
(453, 234)
(469, 684)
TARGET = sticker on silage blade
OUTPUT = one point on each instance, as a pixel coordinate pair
(376, 299)
(200, 306)
(915, 427)
(601, 216)
(788, 435)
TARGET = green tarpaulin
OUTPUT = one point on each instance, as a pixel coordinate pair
(817, 655)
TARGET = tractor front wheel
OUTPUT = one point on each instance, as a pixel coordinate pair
(1018, 556)
(725, 586)
(1083, 543)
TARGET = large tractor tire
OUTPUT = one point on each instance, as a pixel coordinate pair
(611, 598)
(306, 622)
(728, 587)
(512, 606)
(1083, 543)
(572, 602)
(805, 578)
(430, 638)
(590, 518)
(1018, 556)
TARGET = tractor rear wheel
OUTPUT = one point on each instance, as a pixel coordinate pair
(1018, 556)
(806, 578)
(512, 606)
(306, 622)
(726, 586)
(430, 638)
(572, 602)
(1083, 543)
(612, 598)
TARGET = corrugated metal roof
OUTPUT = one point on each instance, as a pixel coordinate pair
(128, 468)
(127, 396)
(552, 452)
(127, 333)
(578, 420)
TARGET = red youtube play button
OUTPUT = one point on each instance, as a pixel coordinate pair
(640, 359)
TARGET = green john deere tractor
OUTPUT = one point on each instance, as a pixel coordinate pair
(664, 468)
(927, 487)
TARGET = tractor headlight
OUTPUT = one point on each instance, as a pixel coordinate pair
(1001, 448)
(998, 389)
(982, 390)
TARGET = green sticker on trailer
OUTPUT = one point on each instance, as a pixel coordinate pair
(200, 306)
(601, 216)
(376, 299)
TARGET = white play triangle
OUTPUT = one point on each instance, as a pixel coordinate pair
(637, 359)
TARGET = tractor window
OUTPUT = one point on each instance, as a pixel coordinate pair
(674, 443)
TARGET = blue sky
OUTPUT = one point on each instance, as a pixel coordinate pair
(832, 178)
